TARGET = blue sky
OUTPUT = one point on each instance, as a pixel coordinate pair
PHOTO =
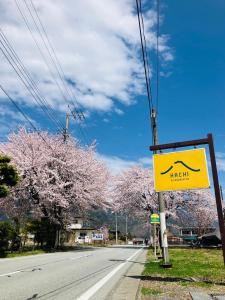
(99, 49)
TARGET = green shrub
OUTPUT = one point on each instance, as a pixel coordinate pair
(7, 234)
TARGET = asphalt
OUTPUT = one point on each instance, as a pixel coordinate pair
(94, 273)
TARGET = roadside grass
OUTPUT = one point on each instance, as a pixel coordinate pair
(201, 264)
(149, 291)
(28, 250)
(196, 284)
(21, 253)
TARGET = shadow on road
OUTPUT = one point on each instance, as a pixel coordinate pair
(71, 284)
(128, 247)
(33, 297)
(174, 279)
(123, 260)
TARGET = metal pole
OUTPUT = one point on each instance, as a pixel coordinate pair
(66, 130)
(157, 234)
(116, 229)
(163, 232)
(126, 229)
(154, 238)
(217, 192)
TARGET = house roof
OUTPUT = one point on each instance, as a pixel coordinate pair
(83, 228)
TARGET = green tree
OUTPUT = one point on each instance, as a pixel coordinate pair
(8, 175)
(7, 234)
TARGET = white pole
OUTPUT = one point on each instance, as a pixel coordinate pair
(116, 230)
(126, 229)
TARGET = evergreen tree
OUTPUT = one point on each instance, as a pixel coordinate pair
(8, 175)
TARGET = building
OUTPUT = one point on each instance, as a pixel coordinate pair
(80, 233)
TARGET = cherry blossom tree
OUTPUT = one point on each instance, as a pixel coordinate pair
(105, 231)
(58, 180)
(197, 210)
(134, 194)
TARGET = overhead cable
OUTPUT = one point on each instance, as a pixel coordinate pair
(54, 60)
(58, 64)
(144, 56)
(23, 77)
(157, 58)
(41, 101)
(24, 115)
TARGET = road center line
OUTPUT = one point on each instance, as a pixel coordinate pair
(22, 270)
(75, 258)
(89, 293)
(8, 274)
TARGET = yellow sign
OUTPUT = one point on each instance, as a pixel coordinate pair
(180, 170)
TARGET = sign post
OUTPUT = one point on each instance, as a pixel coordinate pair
(154, 220)
(206, 141)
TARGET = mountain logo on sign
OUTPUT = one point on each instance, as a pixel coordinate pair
(180, 162)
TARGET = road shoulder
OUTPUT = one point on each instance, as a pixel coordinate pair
(128, 287)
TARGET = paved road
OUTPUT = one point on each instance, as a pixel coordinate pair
(81, 274)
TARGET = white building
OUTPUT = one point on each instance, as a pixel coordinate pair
(79, 234)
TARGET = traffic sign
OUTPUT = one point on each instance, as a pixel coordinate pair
(155, 219)
(180, 170)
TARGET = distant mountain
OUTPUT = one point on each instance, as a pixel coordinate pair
(135, 226)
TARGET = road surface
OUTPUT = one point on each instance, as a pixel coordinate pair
(82, 274)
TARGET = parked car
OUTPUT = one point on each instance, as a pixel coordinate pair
(211, 239)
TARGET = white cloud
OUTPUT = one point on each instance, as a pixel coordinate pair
(146, 161)
(10, 119)
(106, 120)
(116, 164)
(220, 161)
(119, 111)
(97, 43)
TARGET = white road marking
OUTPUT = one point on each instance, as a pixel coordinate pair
(8, 274)
(19, 271)
(74, 258)
(89, 293)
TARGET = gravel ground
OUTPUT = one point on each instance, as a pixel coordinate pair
(175, 290)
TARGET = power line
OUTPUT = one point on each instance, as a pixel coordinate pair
(24, 115)
(58, 64)
(58, 67)
(14, 64)
(146, 71)
(157, 58)
(39, 49)
(45, 106)
(55, 62)
(82, 132)
(146, 65)
(145, 47)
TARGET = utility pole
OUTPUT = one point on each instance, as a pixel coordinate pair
(116, 229)
(66, 130)
(76, 115)
(163, 232)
